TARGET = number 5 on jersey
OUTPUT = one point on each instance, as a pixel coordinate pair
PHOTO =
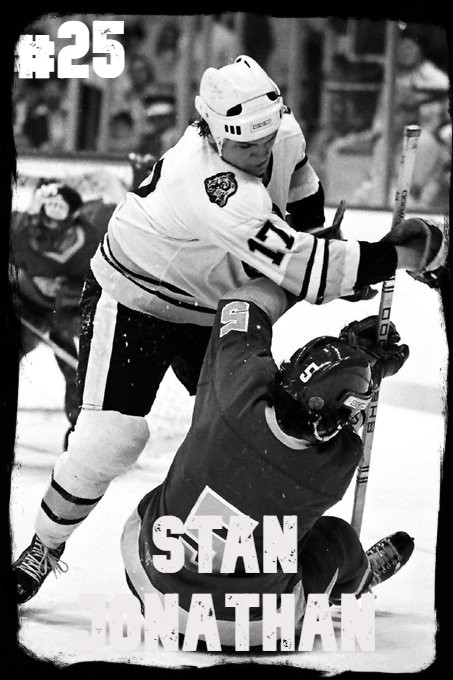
(235, 317)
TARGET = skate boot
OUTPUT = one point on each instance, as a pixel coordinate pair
(388, 555)
(33, 567)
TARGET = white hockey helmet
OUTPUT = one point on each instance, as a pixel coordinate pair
(239, 102)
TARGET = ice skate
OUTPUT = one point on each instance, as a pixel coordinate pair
(388, 555)
(34, 565)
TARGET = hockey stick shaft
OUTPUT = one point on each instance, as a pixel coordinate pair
(57, 350)
(407, 161)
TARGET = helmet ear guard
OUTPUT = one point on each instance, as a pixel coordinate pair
(331, 381)
(239, 102)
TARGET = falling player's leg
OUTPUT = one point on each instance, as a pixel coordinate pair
(334, 561)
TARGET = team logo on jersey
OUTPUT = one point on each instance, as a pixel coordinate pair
(220, 187)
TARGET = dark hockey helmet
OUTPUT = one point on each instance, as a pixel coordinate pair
(58, 203)
(332, 382)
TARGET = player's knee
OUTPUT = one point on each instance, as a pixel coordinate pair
(327, 523)
(338, 531)
(104, 444)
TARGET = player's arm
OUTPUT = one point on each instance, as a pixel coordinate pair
(306, 199)
(242, 335)
(305, 206)
(319, 270)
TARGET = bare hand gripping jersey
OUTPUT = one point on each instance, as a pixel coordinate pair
(233, 463)
(183, 239)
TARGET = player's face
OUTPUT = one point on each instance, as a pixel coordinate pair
(251, 157)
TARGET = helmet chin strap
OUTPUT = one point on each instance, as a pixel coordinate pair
(219, 143)
(326, 437)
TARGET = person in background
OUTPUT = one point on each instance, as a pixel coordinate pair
(52, 244)
(432, 171)
(160, 131)
(41, 118)
(166, 58)
(416, 79)
(132, 92)
(121, 132)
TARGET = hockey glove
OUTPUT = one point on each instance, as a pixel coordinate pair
(388, 359)
(428, 244)
(364, 293)
(363, 334)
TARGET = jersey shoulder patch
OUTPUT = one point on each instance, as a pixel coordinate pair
(220, 187)
(235, 317)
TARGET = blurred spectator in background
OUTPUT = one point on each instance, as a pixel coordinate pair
(121, 133)
(53, 242)
(257, 37)
(432, 171)
(41, 115)
(165, 58)
(25, 96)
(134, 38)
(416, 80)
(220, 47)
(132, 92)
(160, 131)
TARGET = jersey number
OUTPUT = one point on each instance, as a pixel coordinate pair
(235, 317)
(266, 235)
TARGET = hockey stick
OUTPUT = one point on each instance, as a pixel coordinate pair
(57, 350)
(407, 160)
(334, 230)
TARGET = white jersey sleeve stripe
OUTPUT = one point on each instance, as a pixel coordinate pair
(300, 264)
(317, 270)
(323, 281)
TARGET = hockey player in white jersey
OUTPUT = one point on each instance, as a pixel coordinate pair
(215, 211)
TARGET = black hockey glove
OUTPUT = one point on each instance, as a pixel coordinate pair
(363, 333)
(389, 361)
(432, 279)
(386, 360)
(429, 247)
(364, 293)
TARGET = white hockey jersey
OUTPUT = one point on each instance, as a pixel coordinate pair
(199, 227)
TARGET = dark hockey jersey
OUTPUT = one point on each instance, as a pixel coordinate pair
(52, 263)
(232, 463)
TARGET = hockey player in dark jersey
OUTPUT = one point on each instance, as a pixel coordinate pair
(269, 441)
(210, 216)
(52, 247)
